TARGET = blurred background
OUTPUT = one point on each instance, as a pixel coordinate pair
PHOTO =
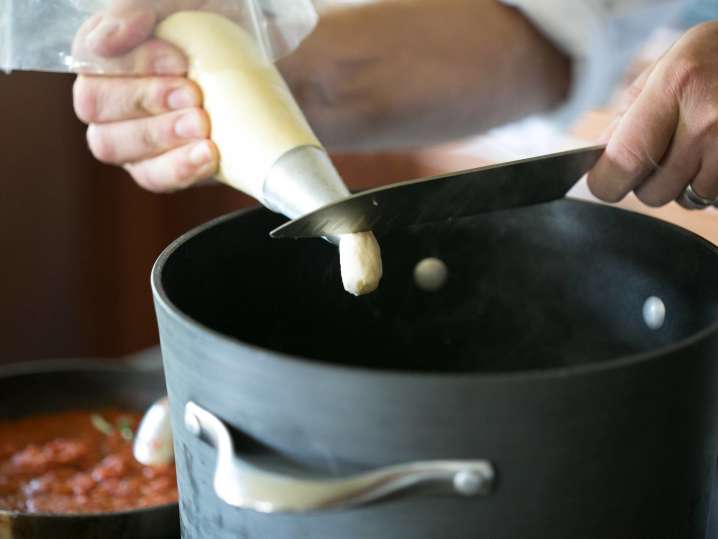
(78, 239)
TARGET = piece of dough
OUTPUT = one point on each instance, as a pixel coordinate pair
(360, 258)
(255, 119)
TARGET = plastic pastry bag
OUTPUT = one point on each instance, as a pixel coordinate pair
(57, 35)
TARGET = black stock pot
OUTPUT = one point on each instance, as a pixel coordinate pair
(527, 399)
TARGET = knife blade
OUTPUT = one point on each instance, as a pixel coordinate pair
(497, 187)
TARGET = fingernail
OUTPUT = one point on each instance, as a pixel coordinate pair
(169, 65)
(189, 126)
(181, 98)
(200, 154)
(106, 29)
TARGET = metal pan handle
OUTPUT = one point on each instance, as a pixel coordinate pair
(246, 486)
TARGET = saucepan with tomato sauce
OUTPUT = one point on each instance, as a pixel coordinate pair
(66, 464)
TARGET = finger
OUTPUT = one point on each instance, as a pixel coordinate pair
(176, 169)
(638, 144)
(680, 165)
(134, 140)
(162, 8)
(153, 57)
(609, 131)
(118, 41)
(634, 90)
(124, 26)
(111, 34)
(628, 97)
(113, 99)
(705, 183)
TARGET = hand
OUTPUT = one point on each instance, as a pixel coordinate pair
(666, 136)
(375, 76)
(152, 124)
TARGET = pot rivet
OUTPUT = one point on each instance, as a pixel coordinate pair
(430, 274)
(654, 312)
(468, 483)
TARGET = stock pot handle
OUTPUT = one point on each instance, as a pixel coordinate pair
(241, 484)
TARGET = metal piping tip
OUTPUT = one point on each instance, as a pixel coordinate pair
(301, 181)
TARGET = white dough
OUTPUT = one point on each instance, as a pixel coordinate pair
(431, 274)
(360, 258)
(255, 119)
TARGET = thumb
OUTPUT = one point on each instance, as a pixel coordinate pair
(114, 33)
(124, 25)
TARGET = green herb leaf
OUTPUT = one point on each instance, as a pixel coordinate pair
(101, 424)
(124, 422)
(124, 425)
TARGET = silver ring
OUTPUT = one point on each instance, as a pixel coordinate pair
(694, 201)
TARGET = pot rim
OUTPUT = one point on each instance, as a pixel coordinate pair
(43, 366)
(310, 364)
(16, 515)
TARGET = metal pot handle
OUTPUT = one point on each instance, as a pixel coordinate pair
(246, 486)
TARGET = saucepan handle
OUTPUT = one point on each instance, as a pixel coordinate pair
(244, 485)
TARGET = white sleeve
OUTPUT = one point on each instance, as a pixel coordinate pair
(600, 36)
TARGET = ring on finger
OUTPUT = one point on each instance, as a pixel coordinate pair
(694, 201)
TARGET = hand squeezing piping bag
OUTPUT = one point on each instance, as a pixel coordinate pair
(267, 148)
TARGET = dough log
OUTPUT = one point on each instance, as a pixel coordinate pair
(360, 258)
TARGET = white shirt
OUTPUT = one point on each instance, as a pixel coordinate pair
(601, 37)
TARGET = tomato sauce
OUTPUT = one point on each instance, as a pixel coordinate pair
(78, 462)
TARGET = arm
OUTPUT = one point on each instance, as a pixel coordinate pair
(417, 72)
(399, 72)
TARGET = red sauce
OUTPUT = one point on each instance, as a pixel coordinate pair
(78, 462)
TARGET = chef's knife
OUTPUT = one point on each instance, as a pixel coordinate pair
(509, 185)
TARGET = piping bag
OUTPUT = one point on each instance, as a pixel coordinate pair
(267, 148)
